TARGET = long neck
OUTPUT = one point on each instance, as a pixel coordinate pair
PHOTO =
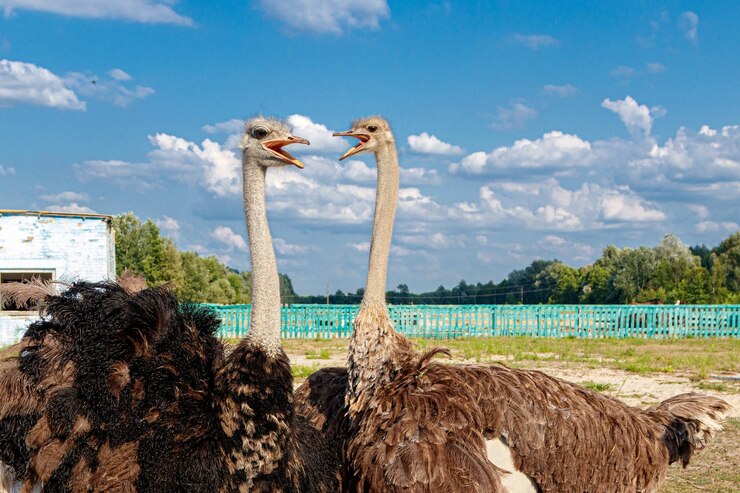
(376, 351)
(264, 329)
(385, 210)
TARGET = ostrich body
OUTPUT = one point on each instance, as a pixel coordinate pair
(547, 434)
(119, 390)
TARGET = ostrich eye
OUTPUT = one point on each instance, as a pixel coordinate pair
(372, 128)
(260, 132)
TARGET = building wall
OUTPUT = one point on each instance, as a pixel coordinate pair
(70, 247)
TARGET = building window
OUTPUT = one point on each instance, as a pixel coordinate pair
(21, 276)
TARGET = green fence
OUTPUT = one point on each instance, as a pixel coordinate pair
(453, 321)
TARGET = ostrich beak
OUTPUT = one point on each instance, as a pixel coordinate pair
(363, 138)
(275, 147)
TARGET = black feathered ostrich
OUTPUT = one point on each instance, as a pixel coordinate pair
(413, 425)
(125, 390)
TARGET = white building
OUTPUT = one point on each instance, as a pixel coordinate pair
(51, 246)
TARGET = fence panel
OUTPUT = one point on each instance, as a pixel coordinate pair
(453, 321)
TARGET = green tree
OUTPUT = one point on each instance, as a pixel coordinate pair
(142, 250)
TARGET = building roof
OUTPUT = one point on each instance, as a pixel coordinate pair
(9, 212)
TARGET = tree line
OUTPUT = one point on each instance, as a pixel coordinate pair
(670, 272)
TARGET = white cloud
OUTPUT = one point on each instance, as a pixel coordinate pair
(285, 248)
(514, 117)
(654, 68)
(119, 74)
(430, 144)
(26, 83)
(562, 91)
(233, 126)
(227, 236)
(714, 227)
(638, 118)
(549, 206)
(553, 150)
(697, 157)
(110, 89)
(419, 176)
(72, 208)
(625, 207)
(169, 225)
(7, 171)
(145, 11)
(562, 247)
(210, 165)
(320, 137)
(64, 197)
(534, 41)
(362, 247)
(327, 16)
(689, 22)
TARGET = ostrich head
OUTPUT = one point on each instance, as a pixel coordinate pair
(264, 139)
(373, 133)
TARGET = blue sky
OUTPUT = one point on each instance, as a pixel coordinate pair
(525, 129)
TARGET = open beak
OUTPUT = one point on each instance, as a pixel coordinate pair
(276, 148)
(363, 138)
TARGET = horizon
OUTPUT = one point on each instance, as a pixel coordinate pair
(525, 131)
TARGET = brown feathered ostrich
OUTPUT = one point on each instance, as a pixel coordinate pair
(123, 390)
(400, 410)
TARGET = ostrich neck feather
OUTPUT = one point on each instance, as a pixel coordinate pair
(376, 350)
(264, 329)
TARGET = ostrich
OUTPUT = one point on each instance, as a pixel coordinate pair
(118, 389)
(546, 434)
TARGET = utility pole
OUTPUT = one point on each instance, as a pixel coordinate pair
(327, 293)
(521, 294)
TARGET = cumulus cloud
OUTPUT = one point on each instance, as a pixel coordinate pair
(226, 236)
(708, 154)
(320, 137)
(689, 23)
(638, 118)
(515, 117)
(550, 206)
(144, 11)
(430, 144)
(209, 165)
(535, 41)
(327, 16)
(26, 83)
(562, 91)
(553, 149)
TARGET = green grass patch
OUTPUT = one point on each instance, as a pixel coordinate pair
(323, 353)
(598, 386)
(304, 371)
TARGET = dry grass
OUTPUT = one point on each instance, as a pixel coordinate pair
(715, 470)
